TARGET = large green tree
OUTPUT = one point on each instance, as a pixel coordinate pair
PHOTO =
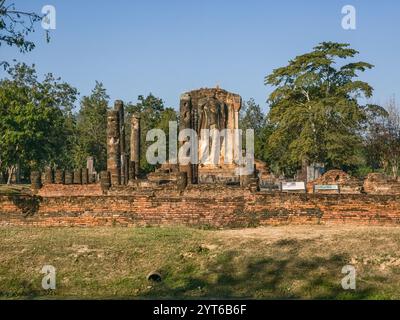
(315, 110)
(91, 127)
(35, 120)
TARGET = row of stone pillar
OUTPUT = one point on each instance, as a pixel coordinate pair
(77, 176)
(121, 166)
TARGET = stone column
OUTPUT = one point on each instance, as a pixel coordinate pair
(237, 142)
(85, 176)
(186, 122)
(126, 167)
(135, 143)
(105, 181)
(77, 176)
(59, 177)
(113, 147)
(48, 176)
(237, 145)
(90, 165)
(36, 181)
(69, 177)
(119, 107)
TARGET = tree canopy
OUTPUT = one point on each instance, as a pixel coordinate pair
(34, 119)
(91, 127)
(315, 109)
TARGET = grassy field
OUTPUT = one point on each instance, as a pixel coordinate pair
(14, 189)
(288, 262)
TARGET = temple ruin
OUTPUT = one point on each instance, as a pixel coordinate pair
(205, 193)
(199, 109)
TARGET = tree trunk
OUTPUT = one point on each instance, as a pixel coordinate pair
(10, 174)
(394, 171)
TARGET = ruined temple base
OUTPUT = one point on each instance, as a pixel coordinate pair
(200, 206)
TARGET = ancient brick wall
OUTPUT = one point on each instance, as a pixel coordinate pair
(58, 190)
(189, 208)
(378, 183)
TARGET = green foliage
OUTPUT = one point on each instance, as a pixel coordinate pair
(382, 140)
(154, 115)
(91, 129)
(35, 120)
(15, 25)
(251, 117)
(314, 110)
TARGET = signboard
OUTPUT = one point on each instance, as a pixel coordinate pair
(293, 186)
(326, 187)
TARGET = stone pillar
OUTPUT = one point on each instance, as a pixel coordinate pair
(92, 178)
(48, 176)
(69, 177)
(78, 176)
(237, 143)
(113, 147)
(85, 176)
(126, 167)
(135, 143)
(187, 121)
(119, 107)
(105, 181)
(90, 165)
(182, 181)
(36, 181)
(59, 177)
(91, 170)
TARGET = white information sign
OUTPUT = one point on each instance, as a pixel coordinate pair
(293, 186)
(326, 187)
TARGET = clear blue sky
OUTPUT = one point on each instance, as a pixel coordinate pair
(169, 47)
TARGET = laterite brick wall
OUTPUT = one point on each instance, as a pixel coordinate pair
(58, 190)
(207, 209)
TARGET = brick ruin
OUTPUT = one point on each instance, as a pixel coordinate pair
(192, 194)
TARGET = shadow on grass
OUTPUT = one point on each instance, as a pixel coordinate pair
(29, 205)
(288, 277)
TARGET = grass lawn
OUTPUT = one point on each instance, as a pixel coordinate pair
(14, 189)
(289, 262)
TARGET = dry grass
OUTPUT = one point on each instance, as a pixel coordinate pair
(14, 189)
(289, 262)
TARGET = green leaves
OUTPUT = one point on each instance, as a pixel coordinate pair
(90, 135)
(314, 108)
(251, 117)
(33, 118)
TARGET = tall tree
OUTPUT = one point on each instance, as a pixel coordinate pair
(91, 127)
(315, 110)
(34, 119)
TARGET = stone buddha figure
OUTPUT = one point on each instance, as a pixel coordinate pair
(211, 108)
(212, 114)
